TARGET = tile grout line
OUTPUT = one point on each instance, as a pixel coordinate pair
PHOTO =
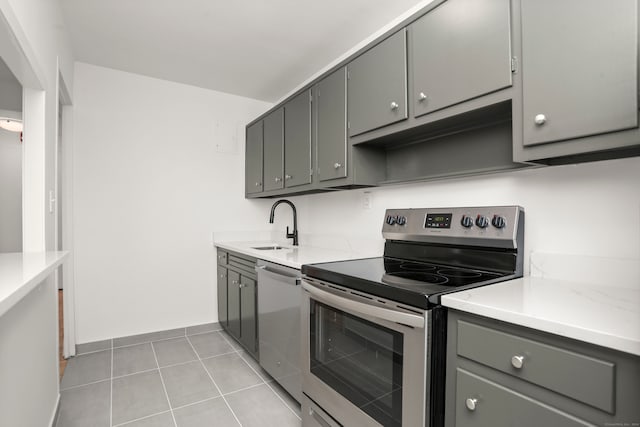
(84, 385)
(111, 392)
(164, 387)
(113, 346)
(271, 388)
(262, 378)
(214, 383)
(143, 371)
(142, 418)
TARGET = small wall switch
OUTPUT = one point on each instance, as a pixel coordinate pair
(366, 200)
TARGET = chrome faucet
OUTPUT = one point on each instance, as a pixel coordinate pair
(293, 235)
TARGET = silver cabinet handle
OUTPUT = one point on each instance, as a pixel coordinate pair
(421, 97)
(222, 276)
(277, 179)
(337, 165)
(288, 177)
(234, 282)
(517, 362)
(471, 404)
(394, 105)
(540, 119)
(220, 256)
(258, 184)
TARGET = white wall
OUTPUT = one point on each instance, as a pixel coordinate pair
(587, 209)
(10, 192)
(156, 171)
(40, 31)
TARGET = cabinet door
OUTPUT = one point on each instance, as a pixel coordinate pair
(377, 85)
(579, 68)
(480, 402)
(331, 126)
(233, 303)
(460, 50)
(222, 296)
(297, 140)
(273, 150)
(253, 156)
(248, 313)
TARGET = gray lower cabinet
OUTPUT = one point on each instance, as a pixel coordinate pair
(377, 85)
(253, 156)
(499, 374)
(237, 296)
(297, 140)
(223, 315)
(579, 76)
(274, 150)
(233, 304)
(459, 51)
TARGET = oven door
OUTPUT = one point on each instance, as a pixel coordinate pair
(364, 359)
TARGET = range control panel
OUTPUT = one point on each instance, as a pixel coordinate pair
(440, 224)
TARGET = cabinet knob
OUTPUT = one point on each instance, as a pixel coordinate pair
(394, 106)
(234, 282)
(258, 184)
(471, 404)
(277, 179)
(222, 276)
(337, 165)
(240, 285)
(517, 362)
(540, 119)
(288, 177)
(422, 96)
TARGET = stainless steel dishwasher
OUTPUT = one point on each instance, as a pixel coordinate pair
(279, 299)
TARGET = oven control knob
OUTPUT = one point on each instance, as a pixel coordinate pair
(466, 221)
(391, 220)
(498, 221)
(482, 221)
(401, 220)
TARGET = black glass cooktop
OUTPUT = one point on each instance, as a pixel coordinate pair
(420, 284)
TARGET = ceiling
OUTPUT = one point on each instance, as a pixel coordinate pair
(259, 49)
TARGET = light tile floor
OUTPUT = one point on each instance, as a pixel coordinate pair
(193, 378)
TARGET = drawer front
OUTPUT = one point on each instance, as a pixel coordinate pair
(575, 375)
(480, 403)
(222, 257)
(245, 265)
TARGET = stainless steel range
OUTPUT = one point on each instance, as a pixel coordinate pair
(374, 332)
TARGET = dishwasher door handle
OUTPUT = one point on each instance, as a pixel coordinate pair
(278, 277)
(361, 308)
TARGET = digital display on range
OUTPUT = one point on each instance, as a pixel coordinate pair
(438, 220)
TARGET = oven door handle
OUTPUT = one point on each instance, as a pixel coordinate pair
(351, 306)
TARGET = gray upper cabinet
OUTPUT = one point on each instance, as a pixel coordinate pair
(297, 140)
(331, 126)
(253, 155)
(274, 150)
(579, 68)
(377, 85)
(459, 51)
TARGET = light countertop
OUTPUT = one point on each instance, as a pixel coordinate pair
(21, 272)
(293, 256)
(604, 314)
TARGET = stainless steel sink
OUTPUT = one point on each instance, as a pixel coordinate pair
(268, 248)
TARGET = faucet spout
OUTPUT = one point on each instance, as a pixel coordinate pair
(293, 235)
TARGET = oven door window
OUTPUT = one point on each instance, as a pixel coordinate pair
(358, 359)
